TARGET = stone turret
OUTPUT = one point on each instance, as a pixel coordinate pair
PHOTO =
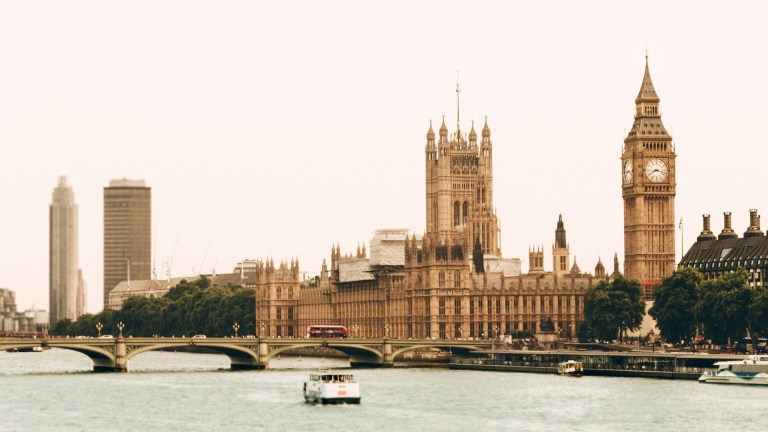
(728, 232)
(754, 225)
(706, 232)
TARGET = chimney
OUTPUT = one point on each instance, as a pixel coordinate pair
(728, 232)
(754, 225)
(706, 233)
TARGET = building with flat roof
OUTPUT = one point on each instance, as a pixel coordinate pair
(127, 233)
(66, 296)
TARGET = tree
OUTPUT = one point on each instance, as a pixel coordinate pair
(674, 308)
(723, 307)
(758, 313)
(612, 309)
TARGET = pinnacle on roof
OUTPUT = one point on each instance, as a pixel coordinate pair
(472, 133)
(647, 92)
(443, 128)
(599, 265)
(486, 129)
(430, 133)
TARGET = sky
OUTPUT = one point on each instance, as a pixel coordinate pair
(278, 129)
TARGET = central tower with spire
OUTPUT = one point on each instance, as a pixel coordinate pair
(459, 186)
(648, 188)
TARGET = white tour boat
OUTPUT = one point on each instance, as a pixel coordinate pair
(331, 388)
(571, 368)
(752, 370)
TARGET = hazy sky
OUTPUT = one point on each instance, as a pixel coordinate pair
(276, 129)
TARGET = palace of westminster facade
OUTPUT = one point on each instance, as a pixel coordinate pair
(452, 282)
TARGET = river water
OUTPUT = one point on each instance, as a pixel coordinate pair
(55, 391)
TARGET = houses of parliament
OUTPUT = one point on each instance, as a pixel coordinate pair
(452, 281)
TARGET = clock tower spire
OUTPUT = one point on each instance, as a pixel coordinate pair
(648, 189)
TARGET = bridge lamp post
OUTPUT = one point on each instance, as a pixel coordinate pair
(261, 329)
(355, 329)
(461, 332)
(386, 331)
(236, 327)
(120, 327)
(98, 328)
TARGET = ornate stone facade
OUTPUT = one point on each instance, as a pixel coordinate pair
(648, 188)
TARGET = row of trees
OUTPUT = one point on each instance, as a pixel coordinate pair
(189, 308)
(722, 309)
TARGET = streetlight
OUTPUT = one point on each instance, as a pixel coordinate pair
(355, 329)
(236, 327)
(99, 327)
(386, 331)
(120, 327)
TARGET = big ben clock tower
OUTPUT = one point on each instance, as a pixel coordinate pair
(648, 189)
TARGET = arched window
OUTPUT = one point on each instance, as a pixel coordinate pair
(457, 279)
(455, 213)
(464, 212)
(441, 279)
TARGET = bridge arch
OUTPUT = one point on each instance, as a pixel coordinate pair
(240, 357)
(359, 354)
(103, 359)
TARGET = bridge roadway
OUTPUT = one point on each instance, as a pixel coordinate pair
(112, 355)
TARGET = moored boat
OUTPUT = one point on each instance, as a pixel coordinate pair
(570, 368)
(752, 370)
(331, 388)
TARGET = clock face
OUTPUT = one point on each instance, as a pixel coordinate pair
(656, 170)
(627, 171)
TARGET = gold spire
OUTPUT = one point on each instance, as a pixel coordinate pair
(472, 133)
(486, 129)
(443, 128)
(647, 93)
(430, 133)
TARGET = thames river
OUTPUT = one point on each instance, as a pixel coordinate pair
(55, 391)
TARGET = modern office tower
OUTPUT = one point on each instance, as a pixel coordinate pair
(66, 295)
(127, 233)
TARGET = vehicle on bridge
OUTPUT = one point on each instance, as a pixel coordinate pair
(325, 331)
(331, 388)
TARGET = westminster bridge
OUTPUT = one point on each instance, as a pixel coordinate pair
(112, 355)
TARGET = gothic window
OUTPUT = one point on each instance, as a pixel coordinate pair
(442, 330)
(279, 313)
(457, 279)
(441, 279)
(464, 212)
(290, 331)
(290, 293)
(457, 306)
(278, 293)
(456, 214)
(290, 314)
(441, 306)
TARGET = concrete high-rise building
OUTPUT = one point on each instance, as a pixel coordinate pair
(65, 288)
(648, 189)
(127, 233)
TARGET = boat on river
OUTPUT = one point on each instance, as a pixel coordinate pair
(752, 370)
(331, 388)
(570, 368)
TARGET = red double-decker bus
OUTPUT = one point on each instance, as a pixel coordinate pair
(332, 331)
